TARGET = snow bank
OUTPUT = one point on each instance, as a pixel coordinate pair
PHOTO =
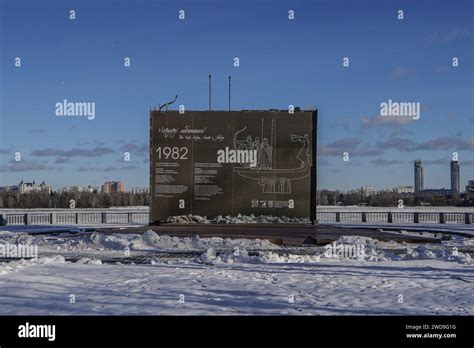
(111, 242)
(211, 256)
(150, 240)
(88, 261)
(421, 253)
(372, 252)
(353, 248)
(226, 250)
(468, 241)
(16, 238)
(15, 266)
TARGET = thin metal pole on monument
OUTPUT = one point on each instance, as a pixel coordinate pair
(209, 92)
(229, 89)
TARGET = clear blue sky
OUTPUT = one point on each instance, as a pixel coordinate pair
(282, 62)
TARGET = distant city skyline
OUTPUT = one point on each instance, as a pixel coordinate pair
(107, 187)
(417, 184)
(281, 62)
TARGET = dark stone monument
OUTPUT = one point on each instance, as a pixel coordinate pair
(213, 163)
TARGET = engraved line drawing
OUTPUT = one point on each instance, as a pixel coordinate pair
(272, 180)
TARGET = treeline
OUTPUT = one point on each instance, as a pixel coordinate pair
(388, 199)
(107, 200)
(63, 200)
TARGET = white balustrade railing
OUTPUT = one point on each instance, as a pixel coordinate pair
(141, 216)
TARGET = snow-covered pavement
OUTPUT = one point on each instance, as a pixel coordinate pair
(224, 279)
(330, 287)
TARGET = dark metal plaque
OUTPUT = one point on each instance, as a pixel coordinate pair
(213, 163)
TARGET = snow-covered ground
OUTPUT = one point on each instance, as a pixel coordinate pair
(241, 277)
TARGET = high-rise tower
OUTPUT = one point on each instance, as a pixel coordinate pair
(418, 176)
(455, 183)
